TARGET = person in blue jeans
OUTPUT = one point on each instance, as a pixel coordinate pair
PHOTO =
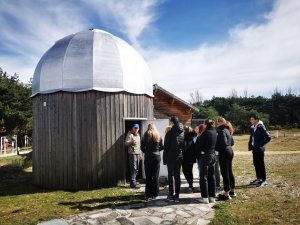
(173, 157)
(151, 145)
(206, 147)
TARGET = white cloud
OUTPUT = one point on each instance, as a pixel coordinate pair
(131, 17)
(257, 58)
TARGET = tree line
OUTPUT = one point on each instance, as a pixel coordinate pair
(15, 107)
(279, 111)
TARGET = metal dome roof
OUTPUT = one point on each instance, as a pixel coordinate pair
(92, 60)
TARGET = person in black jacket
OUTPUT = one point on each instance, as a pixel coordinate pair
(151, 145)
(173, 156)
(223, 146)
(206, 143)
(258, 139)
(189, 157)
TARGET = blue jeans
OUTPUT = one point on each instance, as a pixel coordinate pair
(134, 163)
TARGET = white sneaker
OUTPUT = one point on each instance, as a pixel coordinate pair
(255, 182)
(212, 200)
(203, 200)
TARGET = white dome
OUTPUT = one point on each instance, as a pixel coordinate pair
(92, 60)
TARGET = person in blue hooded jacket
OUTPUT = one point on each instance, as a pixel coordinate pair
(259, 137)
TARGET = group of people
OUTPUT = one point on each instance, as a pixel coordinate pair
(183, 147)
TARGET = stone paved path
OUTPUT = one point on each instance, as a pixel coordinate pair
(159, 211)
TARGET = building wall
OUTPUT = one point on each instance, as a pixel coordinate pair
(165, 107)
(78, 138)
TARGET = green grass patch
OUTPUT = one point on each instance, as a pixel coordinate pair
(26, 204)
(276, 203)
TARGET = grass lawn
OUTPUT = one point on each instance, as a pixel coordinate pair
(276, 203)
(26, 204)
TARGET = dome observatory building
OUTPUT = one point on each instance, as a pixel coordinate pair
(88, 89)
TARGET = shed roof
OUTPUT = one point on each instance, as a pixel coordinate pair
(156, 87)
(92, 60)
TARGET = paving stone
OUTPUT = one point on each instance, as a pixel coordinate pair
(159, 211)
(166, 222)
(183, 214)
(209, 216)
(170, 216)
(155, 219)
(54, 222)
(124, 221)
(143, 221)
(167, 210)
(122, 212)
(202, 221)
(113, 222)
(138, 214)
(107, 218)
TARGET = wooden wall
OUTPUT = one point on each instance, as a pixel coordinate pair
(78, 138)
(165, 107)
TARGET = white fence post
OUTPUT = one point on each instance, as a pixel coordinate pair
(276, 134)
(3, 145)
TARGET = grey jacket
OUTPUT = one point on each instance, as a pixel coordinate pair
(135, 148)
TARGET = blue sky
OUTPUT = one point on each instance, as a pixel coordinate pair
(215, 47)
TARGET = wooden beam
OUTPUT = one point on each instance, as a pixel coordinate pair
(172, 100)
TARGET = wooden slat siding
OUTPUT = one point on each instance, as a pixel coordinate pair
(99, 154)
(69, 152)
(122, 150)
(94, 153)
(113, 140)
(108, 153)
(79, 144)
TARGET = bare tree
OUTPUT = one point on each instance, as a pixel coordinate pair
(233, 93)
(276, 91)
(196, 98)
(246, 92)
(289, 91)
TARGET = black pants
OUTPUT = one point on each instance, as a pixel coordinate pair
(217, 172)
(187, 169)
(225, 161)
(259, 164)
(134, 162)
(207, 176)
(152, 166)
(174, 171)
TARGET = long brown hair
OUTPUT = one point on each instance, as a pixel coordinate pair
(227, 123)
(201, 129)
(209, 123)
(153, 134)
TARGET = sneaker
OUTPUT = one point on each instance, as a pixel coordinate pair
(148, 199)
(154, 197)
(255, 182)
(203, 200)
(232, 194)
(189, 190)
(176, 199)
(135, 186)
(171, 198)
(261, 184)
(212, 200)
(222, 197)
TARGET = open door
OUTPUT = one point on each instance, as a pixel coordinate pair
(161, 125)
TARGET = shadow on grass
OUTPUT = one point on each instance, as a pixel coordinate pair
(105, 202)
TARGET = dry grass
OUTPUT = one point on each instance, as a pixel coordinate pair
(276, 203)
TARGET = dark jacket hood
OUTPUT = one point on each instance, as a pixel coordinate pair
(177, 128)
